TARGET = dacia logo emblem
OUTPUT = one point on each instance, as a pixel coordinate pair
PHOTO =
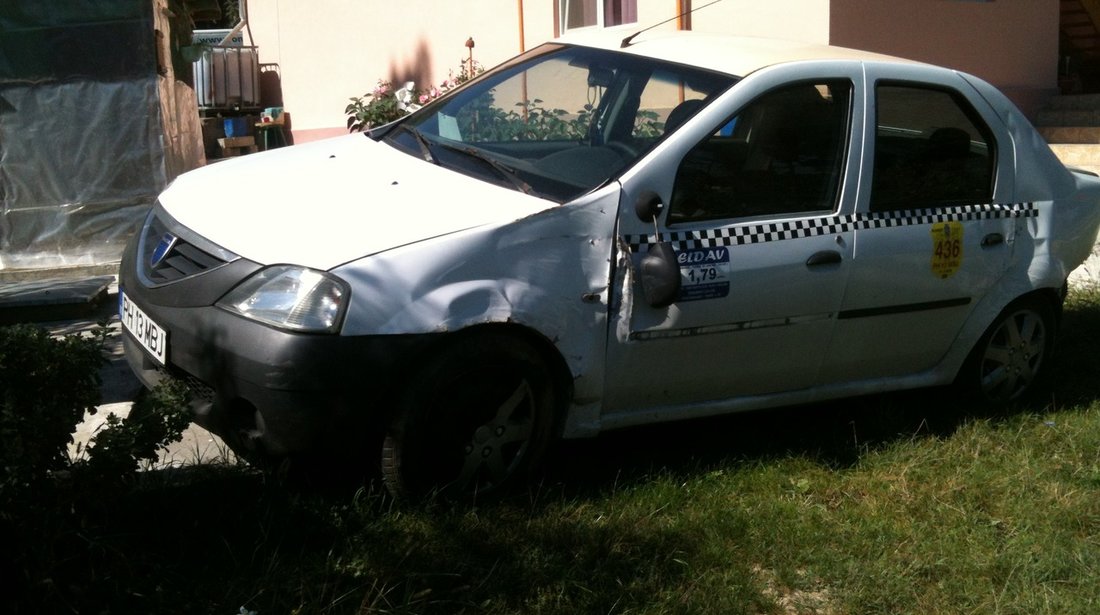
(167, 242)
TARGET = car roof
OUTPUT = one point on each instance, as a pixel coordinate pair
(734, 55)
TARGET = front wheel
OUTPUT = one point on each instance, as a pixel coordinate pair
(1013, 355)
(473, 421)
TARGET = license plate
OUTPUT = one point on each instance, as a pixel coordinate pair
(152, 337)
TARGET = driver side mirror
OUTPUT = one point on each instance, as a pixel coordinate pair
(659, 270)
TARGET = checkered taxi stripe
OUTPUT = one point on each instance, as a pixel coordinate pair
(830, 225)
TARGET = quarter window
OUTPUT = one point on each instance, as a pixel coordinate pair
(931, 149)
(782, 154)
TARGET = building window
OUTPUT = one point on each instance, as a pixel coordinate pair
(596, 13)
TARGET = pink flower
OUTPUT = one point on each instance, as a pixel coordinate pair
(424, 98)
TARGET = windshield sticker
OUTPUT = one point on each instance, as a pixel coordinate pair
(704, 274)
(947, 248)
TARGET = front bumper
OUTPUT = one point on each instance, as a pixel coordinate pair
(264, 390)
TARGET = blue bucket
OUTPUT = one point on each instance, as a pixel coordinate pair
(235, 127)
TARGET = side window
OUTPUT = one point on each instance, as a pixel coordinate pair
(931, 149)
(782, 154)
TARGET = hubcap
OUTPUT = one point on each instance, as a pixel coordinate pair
(1013, 356)
(498, 446)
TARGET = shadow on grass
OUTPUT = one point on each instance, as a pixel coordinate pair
(212, 540)
(834, 433)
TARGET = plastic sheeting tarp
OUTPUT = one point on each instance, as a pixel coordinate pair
(91, 127)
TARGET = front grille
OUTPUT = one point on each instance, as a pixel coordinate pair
(183, 260)
(169, 252)
(200, 391)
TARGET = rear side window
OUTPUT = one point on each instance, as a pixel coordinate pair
(931, 149)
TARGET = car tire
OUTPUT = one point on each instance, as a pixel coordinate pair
(1012, 358)
(472, 422)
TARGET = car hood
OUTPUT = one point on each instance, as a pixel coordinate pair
(329, 202)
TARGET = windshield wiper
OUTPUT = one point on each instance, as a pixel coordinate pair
(422, 141)
(507, 172)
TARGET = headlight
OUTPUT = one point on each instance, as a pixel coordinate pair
(292, 298)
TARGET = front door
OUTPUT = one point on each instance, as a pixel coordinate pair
(756, 217)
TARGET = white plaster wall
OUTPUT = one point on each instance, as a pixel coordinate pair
(331, 50)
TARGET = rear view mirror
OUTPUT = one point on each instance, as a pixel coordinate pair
(600, 77)
(659, 271)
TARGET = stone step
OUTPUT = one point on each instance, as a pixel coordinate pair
(1079, 155)
(51, 299)
(1070, 134)
(1075, 102)
(1068, 117)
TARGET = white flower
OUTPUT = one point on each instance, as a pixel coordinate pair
(405, 96)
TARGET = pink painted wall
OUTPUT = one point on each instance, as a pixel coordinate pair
(1010, 43)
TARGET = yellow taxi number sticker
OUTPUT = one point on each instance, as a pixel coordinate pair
(947, 248)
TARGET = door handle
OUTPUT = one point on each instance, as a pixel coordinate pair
(824, 257)
(992, 239)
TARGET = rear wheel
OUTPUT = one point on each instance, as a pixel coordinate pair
(475, 420)
(1011, 359)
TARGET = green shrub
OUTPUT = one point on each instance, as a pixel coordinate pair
(49, 502)
(156, 419)
(46, 386)
(374, 108)
(388, 102)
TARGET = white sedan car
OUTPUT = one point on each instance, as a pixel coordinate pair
(603, 233)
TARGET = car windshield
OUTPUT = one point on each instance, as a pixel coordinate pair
(558, 121)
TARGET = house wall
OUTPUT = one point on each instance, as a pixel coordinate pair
(330, 50)
(1010, 43)
(801, 20)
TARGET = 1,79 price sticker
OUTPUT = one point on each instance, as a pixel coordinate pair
(947, 248)
(704, 273)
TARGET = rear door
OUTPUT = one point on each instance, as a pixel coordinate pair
(934, 225)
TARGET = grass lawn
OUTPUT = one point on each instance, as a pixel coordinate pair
(902, 503)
